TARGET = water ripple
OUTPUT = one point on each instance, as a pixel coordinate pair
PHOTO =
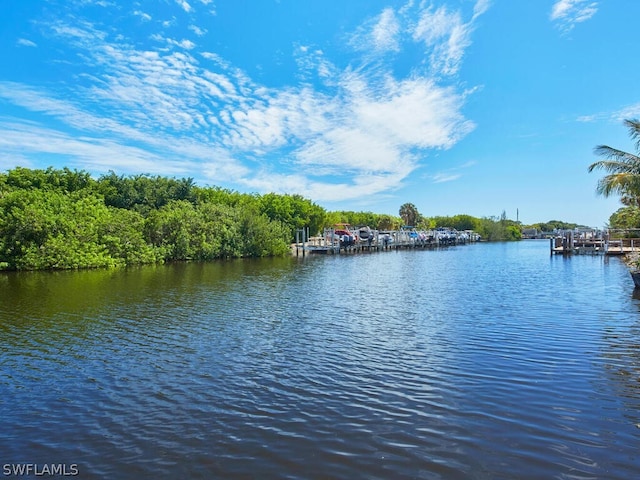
(488, 361)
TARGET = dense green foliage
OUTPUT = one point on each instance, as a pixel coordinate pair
(61, 219)
(625, 218)
(50, 229)
(373, 220)
(459, 222)
(293, 211)
(143, 193)
(552, 225)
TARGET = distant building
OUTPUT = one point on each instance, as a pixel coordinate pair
(531, 233)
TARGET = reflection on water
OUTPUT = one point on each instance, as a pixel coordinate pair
(484, 361)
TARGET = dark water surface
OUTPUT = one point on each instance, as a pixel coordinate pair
(489, 361)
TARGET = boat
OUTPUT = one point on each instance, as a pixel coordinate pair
(343, 233)
(636, 278)
(365, 234)
(385, 238)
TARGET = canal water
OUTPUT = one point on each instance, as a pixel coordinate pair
(486, 361)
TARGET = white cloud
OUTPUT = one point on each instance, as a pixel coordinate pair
(450, 174)
(628, 112)
(26, 43)
(82, 33)
(197, 30)
(443, 33)
(186, 44)
(22, 138)
(586, 118)
(446, 35)
(416, 113)
(100, 3)
(351, 149)
(144, 16)
(566, 13)
(445, 177)
(184, 5)
(385, 31)
(480, 7)
(364, 129)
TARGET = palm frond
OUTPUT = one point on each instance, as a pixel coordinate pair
(610, 152)
(634, 131)
(614, 166)
(618, 183)
(623, 168)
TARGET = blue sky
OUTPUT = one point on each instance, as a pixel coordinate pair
(457, 106)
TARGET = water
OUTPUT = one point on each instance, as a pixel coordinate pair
(488, 361)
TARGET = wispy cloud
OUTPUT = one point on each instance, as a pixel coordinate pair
(450, 174)
(446, 35)
(566, 13)
(587, 118)
(143, 15)
(179, 108)
(628, 112)
(197, 30)
(184, 5)
(26, 43)
(386, 30)
(380, 34)
(445, 177)
(443, 33)
(20, 138)
(480, 8)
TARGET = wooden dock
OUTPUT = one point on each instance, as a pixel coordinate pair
(602, 243)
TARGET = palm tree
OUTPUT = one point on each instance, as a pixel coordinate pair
(409, 214)
(623, 169)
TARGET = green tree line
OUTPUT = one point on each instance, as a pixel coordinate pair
(61, 219)
(552, 225)
(65, 219)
